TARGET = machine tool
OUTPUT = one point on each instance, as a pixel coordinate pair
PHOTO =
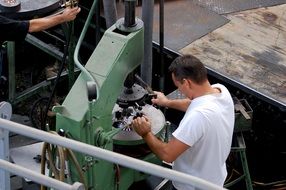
(98, 110)
(10, 5)
(27, 9)
(71, 3)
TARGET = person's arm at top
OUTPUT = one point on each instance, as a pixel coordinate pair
(179, 104)
(165, 151)
(39, 24)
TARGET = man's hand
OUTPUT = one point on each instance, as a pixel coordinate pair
(70, 14)
(160, 100)
(141, 125)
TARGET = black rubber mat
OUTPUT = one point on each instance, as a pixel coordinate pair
(185, 22)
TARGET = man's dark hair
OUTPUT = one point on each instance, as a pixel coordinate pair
(188, 67)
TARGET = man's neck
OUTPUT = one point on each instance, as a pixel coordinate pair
(206, 89)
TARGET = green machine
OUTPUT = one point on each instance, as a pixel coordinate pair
(98, 110)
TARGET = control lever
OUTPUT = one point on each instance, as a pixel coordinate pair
(144, 84)
(151, 93)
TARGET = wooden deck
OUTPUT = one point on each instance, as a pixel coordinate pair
(250, 50)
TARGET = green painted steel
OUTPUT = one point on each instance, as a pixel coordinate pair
(87, 121)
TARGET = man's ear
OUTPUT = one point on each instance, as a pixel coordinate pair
(189, 83)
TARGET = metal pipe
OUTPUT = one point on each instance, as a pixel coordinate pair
(39, 178)
(110, 12)
(129, 18)
(107, 155)
(81, 37)
(97, 23)
(161, 34)
(4, 155)
(147, 17)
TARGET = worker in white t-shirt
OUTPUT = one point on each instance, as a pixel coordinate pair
(202, 142)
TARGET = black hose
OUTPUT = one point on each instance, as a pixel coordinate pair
(66, 47)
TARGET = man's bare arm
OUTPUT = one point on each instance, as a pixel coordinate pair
(165, 151)
(178, 104)
(44, 23)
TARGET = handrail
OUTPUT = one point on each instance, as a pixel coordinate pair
(107, 155)
(39, 178)
(81, 37)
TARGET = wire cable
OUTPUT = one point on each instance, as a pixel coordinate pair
(63, 155)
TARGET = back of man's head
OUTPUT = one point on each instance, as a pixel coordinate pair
(188, 67)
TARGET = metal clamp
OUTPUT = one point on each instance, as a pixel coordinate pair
(70, 3)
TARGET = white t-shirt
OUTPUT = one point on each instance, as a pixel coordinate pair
(207, 127)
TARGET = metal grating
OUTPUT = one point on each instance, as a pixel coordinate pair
(229, 6)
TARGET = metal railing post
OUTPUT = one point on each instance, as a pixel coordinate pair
(4, 155)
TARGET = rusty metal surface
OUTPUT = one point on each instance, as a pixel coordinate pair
(184, 23)
(32, 8)
(249, 52)
(229, 6)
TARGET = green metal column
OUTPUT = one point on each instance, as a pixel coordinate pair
(240, 148)
(244, 163)
(11, 70)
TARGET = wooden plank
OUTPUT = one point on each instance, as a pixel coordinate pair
(250, 49)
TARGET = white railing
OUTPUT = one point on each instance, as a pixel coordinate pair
(94, 151)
